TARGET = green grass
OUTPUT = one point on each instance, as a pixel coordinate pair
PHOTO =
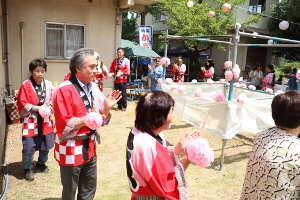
(203, 183)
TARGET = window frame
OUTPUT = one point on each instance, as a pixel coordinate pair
(64, 57)
(263, 6)
(162, 17)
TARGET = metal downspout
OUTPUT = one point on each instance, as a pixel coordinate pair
(8, 51)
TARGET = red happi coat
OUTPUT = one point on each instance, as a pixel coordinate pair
(125, 68)
(150, 168)
(68, 108)
(27, 98)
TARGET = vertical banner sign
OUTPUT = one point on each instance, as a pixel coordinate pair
(145, 36)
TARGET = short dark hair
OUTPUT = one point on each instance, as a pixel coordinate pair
(120, 48)
(78, 59)
(286, 109)
(270, 66)
(180, 56)
(37, 62)
(152, 110)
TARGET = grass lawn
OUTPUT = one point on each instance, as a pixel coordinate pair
(203, 183)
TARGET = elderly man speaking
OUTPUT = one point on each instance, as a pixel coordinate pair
(80, 109)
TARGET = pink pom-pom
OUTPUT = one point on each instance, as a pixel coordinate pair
(298, 74)
(243, 85)
(169, 81)
(278, 92)
(93, 120)
(220, 97)
(228, 64)
(200, 153)
(242, 98)
(236, 71)
(44, 111)
(181, 89)
(252, 87)
(269, 90)
(164, 61)
(236, 84)
(109, 75)
(228, 75)
(211, 13)
(159, 81)
(197, 92)
(209, 81)
(173, 86)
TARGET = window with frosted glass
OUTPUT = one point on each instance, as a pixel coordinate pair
(62, 40)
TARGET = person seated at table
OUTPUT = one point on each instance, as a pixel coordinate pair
(155, 73)
(208, 71)
(178, 70)
(273, 170)
(280, 79)
(154, 170)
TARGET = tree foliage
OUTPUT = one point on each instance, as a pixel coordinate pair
(194, 21)
(129, 26)
(286, 10)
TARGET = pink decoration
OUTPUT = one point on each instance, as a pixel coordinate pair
(93, 120)
(200, 153)
(269, 90)
(209, 81)
(220, 97)
(222, 80)
(169, 81)
(228, 64)
(226, 7)
(236, 71)
(164, 61)
(159, 81)
(252, 87)
(242, 98)
(211, 13)
(228, 75)
(283, 25)
(298, 74)
(173, 86)
(44, 111)
(236, 84)
(243, 85)
(197, 92)
(181, 89)
(278, 92)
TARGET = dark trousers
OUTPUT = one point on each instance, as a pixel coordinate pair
(122, 87)
(83, 176)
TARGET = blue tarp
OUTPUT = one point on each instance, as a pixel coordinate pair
(176, 51)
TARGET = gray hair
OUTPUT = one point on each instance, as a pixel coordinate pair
(78, 59)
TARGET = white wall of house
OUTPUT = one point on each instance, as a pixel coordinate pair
(99, 18)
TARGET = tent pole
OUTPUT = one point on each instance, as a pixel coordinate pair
(137, 65)
(236, 40)
(223, 155)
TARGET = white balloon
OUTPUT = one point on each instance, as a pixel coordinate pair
(270, 42)
(254, 34)
(284, 25)
(190, 4)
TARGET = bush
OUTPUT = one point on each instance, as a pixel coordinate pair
(287, 69)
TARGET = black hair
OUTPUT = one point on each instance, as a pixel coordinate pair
(37, 62)
(286, 109)
(152, 110)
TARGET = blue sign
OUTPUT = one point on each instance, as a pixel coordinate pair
(144, 61)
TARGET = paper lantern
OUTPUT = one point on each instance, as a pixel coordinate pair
(284, 25)
(211, 13)
(226, 7)
(270, 42)
(190, 4)
(254, 34)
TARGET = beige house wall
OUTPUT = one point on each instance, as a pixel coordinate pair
(99, 18)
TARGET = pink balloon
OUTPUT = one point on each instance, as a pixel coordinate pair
(226, 7)
(211, 13)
